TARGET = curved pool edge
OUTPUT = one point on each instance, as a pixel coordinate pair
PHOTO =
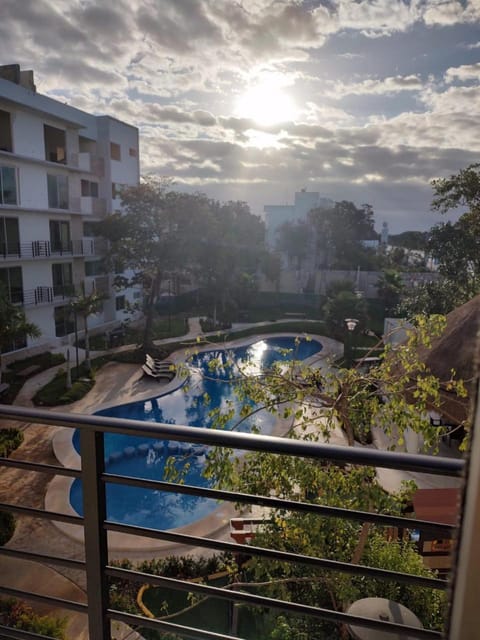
(57, 497)
(208, 526)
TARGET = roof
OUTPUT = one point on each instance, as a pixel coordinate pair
(437, 505)
(456, 348)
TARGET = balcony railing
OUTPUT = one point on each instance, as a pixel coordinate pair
(96, 525)
(46, 249)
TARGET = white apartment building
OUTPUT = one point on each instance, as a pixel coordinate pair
(61, 170)
(278, 214)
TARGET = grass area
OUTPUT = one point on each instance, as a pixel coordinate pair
(56, 393)
(163, 327)
(14, 377)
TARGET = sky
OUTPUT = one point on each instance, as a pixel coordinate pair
(361, 100)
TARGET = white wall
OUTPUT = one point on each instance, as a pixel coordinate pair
(28, 140)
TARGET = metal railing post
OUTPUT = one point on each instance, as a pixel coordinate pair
(94, 511)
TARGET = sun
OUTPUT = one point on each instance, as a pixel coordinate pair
(266, 103)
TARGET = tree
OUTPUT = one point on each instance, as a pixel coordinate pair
(153, 238)
(13, 325)
(228, 253)
(85, 306)
(394, 395)
(456, 246)
(339, 232)
(294, 239)
(459, 190)
(344, 304)
(429, 298)
(390, 287)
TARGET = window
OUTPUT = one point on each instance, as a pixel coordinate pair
(8, 185)
(62, 279)
(9, 236)
(89, 189)
(132, 152)
(5, 131)
(94, 268)
(64, 321)
(90, 229)
(60, 236)
(120, 303)
(11, 281)
(55, 144)
(115, 153)
(57, 191)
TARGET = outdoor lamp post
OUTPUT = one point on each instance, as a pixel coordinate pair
(350, 323)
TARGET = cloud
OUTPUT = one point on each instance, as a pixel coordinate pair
(450, 12)
(373, 86)
(463, 73)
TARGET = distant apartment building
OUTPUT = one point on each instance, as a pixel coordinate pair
(61, 172)
(278, 214)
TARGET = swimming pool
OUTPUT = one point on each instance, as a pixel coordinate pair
(146, 458)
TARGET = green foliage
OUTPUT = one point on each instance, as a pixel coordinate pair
(294, 239)
(13, 323)
(461, 189)
(456, 245)
(7, 527)
(55, 392)
(415, 240)
(44, 361)
(10, 439)
(430, 298)
(344, 304)
(339, 232)
(123, 593)
(390, 287)
(18, 615)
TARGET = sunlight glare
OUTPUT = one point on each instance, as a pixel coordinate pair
(266, 102)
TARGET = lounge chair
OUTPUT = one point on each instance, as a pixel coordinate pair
(155, 373)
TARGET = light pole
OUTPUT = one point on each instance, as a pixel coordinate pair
(350, 323)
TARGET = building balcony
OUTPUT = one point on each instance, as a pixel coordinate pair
(38, 249)
(91, 163)
(98, 531)
(93, 206)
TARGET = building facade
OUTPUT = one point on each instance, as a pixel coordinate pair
(61, 172)
(278, 214)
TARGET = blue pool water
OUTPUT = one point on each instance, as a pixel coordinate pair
(145, 458)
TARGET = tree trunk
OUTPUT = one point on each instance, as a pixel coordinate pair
(149, 311)
(88, 364)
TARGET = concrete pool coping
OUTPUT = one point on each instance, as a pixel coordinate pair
(57, 497)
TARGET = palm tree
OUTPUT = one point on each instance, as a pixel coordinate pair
(85, 306)
(13, 324)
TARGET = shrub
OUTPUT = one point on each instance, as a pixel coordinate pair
(56, 393)
(7, 527)
(18, 615)
(10, 439)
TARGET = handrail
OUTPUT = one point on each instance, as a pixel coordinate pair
(96, 524)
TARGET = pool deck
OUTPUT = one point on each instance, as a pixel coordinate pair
(115, 384)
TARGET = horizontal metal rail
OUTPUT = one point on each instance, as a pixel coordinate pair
(40, 513)
(39, 467)
(92, 429)
(42, 557)
(242, 441)
(274, 554)
(9, 633)
(278, 503)
(262, 601)
(61, 603)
